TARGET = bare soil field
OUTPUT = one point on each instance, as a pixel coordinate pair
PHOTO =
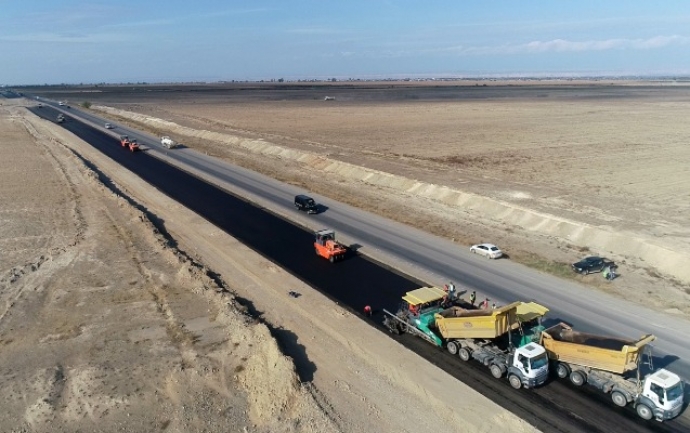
(109, 324)
(551, 172)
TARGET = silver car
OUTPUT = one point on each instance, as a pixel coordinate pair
(108, 126)
(490, 251)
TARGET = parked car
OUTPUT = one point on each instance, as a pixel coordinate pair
(591, 264)
(108, 126)
(490, 251)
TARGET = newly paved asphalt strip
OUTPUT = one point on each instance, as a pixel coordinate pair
(358, 281)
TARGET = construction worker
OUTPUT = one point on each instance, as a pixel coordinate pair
(473, 297)
(367, 310)
(606, 272)
(493, 305)
(451, 291)
(485, 303)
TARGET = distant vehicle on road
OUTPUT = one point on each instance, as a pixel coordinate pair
(62, 104)
(591, 264)
(168, 142)
(489, 251)
(108, 126)
(305, 203)
(40, 105)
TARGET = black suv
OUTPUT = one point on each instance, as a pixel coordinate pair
(305, 203)
(592, 264)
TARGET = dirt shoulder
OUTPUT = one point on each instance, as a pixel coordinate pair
(106, 326)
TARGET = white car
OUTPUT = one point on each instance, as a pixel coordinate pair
(62, 104)
(490, 251)
(108, 126)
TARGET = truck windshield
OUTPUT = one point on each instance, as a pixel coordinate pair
(674, 392)
(539, 361)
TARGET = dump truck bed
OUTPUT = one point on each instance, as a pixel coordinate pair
(459, 323)
(595, 351)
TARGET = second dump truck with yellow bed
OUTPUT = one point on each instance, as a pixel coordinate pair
(613, 366)
(498, 338)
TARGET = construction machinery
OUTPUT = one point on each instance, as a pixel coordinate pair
(504, 339)
(133, 145)
(327, 247)
(614, 366)
(168, 142)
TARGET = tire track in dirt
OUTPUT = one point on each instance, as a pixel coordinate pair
(179, 335)
(11, 288)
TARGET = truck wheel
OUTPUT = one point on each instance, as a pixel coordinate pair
(452, 347)
(619, 398)
(392, 326)
(464, 354)
(496, 371)
(644, 412)
(562, 370)
(577, 378)
(515, 381)
(331, 259)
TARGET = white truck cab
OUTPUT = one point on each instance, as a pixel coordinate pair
(531, 363)
(661, 397)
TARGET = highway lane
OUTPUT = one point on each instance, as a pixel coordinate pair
(356, 281)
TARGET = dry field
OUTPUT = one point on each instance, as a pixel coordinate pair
(550, 173)
(108, 324)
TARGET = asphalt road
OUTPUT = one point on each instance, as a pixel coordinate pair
(358, 281)
(438, 260)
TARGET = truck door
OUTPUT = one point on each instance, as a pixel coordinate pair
(522, 363)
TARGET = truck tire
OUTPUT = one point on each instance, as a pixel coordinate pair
(464, 354)
(577, 378)
(331, 259)
(452, 347)
(644, 412)
(562, 370)
(496, 371)
(619, 399)
(515, 381)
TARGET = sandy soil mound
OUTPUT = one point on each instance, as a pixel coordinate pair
(104, 327)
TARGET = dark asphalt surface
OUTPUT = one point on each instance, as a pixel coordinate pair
(358, 281)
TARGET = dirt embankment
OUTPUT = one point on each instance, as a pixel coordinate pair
(106, 324)
(105, 327)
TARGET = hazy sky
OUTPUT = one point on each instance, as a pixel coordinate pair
(73, 41)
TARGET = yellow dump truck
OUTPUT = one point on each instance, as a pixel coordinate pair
(613, 366)
(493, 337)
